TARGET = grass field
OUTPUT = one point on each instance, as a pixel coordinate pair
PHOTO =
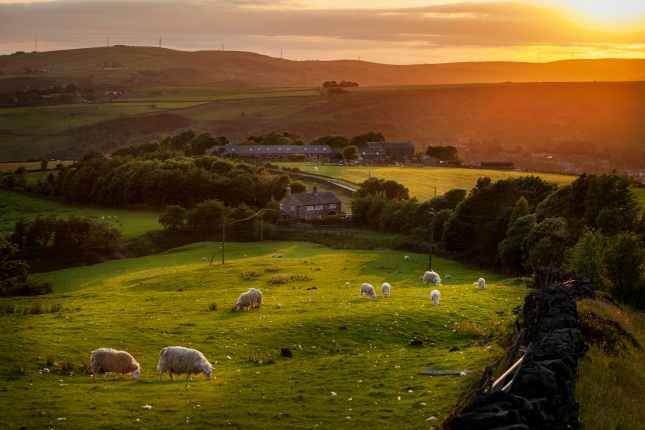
(31, 165)
(50, 120)
(611, 387)
(352, 366)
(14, 206)
(422, 182)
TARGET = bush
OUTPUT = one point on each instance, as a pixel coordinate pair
(207, 217)
(586, 258)
(512, 250)
(249, 276)
(67, 240)
(174, 218)
(625, 262)
(547, 242)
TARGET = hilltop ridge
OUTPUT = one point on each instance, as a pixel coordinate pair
(130, 66)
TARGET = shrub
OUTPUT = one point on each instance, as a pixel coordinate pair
(279, 279)
(173, 218)
(625, 262)
(586, 258)
(249, 276)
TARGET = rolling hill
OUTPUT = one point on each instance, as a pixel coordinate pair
(135, 66)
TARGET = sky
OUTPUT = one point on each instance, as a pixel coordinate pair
(395, 32)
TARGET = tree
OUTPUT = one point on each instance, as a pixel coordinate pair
(13, 271)
(480, 222)
(586, 258)
(448, 154)
(200, 144)
(298, 187)
(334, 142)
(207, 217)
(520, 209)
(449, 200)
(512, 250)
(174, 218)
(547, 242)
(605, 203)
(350, 153)
(625, 260)
(371, 136)
(380, 187)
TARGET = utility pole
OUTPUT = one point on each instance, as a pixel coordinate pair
(431, 246)
(259, 213)
(223, 236)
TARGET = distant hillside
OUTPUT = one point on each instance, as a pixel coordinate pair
(552, 126)
(134, 66)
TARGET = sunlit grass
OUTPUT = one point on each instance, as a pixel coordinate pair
(352, 366)
(422, 182)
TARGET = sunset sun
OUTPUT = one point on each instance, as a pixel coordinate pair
(615, 12)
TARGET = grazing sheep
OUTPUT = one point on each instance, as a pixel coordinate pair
(435, 295)
(431, 277)
(368, 290)
(385, 289)
(481, 283)
(249, 300)
(406, 258)
(106, 360)
(178, 360)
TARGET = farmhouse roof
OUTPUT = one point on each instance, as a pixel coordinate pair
(315, 198)
(240, 149)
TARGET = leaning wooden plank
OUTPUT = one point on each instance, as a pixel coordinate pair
(505, 374)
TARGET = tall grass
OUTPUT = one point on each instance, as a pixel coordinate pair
(611, 388)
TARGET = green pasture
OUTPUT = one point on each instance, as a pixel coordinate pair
(352, 365)
(14, 206)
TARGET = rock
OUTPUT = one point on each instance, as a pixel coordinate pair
(416, 342)
(286, 352)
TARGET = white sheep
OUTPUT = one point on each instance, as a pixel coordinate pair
(108, 360)
(248, 300)
(481, 283)
(435, 295)
(431, 277)
(386, 289)
(178, 360)
(368, 290)
(406, 258)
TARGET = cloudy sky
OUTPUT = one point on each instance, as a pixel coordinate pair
(395, 31)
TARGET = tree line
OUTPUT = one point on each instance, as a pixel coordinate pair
(593, 227)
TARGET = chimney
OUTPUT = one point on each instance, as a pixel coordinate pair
(315, 189)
